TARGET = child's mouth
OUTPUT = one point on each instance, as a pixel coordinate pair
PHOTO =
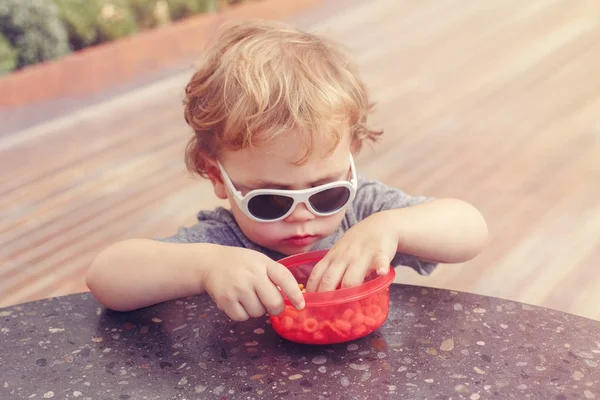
(301, 240)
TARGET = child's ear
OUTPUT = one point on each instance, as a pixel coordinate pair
(214, 174)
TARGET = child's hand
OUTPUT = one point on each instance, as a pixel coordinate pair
(243, 284)
(365, 247)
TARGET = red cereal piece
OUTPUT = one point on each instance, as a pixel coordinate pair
(319, 336)
(370, 322)
(348, 314)
(287, 323)
(359, 331)
(321, 314)
(310, 325)
(373, 311)
(358, 319)
(302, 315)
(291, 311)
(343, 325)
(331, 331)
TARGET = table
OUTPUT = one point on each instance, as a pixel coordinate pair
(436, 344)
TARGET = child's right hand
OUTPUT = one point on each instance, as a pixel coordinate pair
(243, 284)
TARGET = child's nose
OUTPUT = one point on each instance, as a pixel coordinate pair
(300, 214)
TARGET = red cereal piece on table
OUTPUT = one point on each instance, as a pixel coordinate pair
(310, 325)
(343, 325)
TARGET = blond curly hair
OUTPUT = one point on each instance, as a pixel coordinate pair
(261, 80)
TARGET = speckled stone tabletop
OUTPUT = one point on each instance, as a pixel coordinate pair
(436, 344)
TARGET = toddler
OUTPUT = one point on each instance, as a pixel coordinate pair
(277, 115)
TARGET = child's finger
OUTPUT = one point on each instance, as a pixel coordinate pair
(380, 263)
(271, 298)
(236, 312)
(316, 275)
(332, 276)
(282, 277)
(356, 271)
(252, 305)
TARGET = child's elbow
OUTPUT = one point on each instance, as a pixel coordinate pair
(477, 234)
(470, 235)
(98, 282)
(483, 233)
(92, 277)
(102, 294)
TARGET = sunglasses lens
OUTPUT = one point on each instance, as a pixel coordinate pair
(330, 200)
(269, 206)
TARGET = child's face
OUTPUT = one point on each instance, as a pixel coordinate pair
(273, 168)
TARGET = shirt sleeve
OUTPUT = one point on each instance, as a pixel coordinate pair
(373, 197)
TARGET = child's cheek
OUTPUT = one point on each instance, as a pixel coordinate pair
(332, 223)
(266, 233)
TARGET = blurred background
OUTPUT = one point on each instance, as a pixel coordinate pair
(36, 31)
(495, 102)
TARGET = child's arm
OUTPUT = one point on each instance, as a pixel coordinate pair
(137, 273)
(444, 231)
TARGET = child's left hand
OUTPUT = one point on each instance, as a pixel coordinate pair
(366, 246)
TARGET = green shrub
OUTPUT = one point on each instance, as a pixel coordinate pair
(185, 8)
(116, 20)
(8, 56)
(147, 13)
(34, 29)
(80, 17)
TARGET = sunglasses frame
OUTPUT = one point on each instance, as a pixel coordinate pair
(298, 196)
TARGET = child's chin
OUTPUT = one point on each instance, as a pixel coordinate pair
(290, 250)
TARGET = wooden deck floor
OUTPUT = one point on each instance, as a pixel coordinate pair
(495, 102)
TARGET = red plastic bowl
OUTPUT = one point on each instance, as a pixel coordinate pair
(336, 316)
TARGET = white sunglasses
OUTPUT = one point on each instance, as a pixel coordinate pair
(270, 205)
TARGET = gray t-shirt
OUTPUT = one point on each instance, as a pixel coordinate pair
(218, 226)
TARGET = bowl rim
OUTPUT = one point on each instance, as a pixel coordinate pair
(315, 299)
